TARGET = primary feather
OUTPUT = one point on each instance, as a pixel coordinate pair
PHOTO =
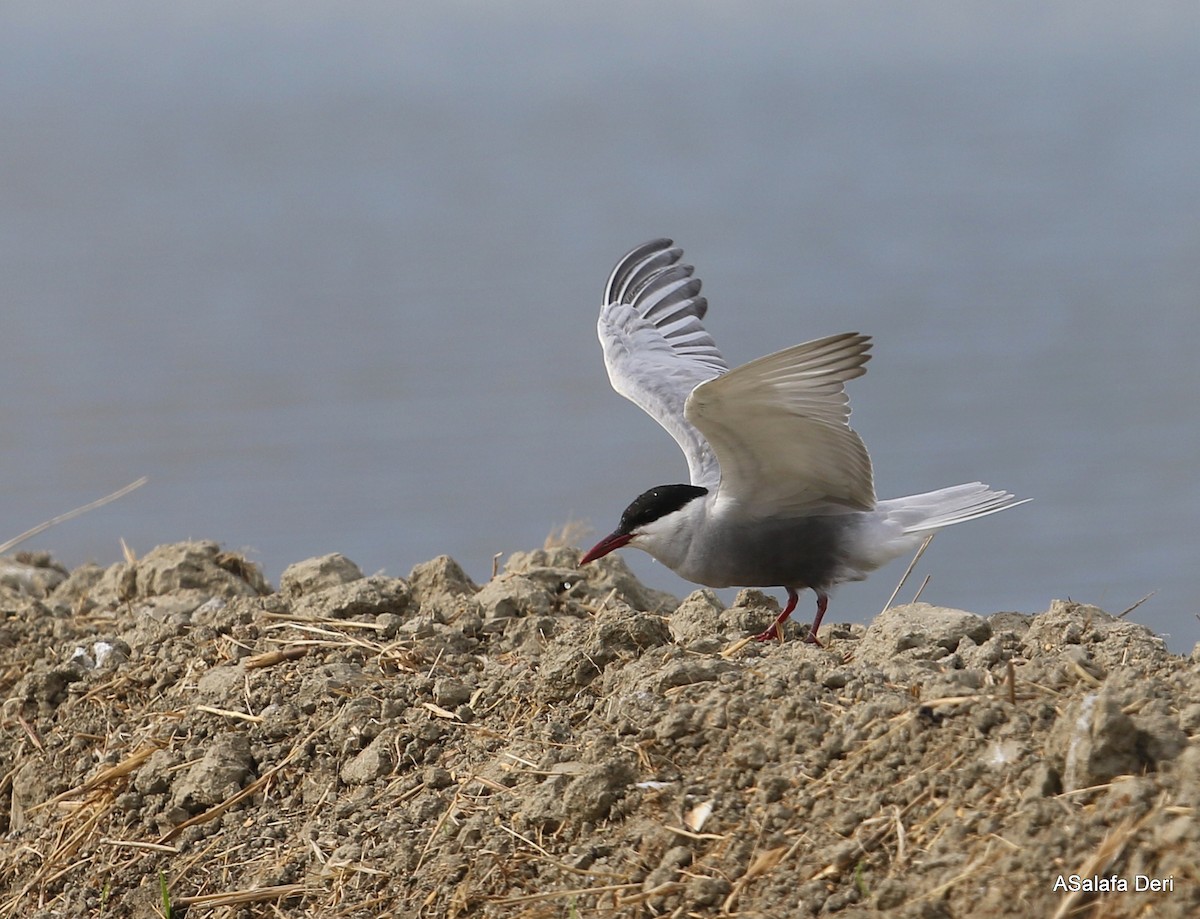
(655, 348)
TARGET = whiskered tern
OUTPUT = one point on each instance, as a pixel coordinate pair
(781, 491)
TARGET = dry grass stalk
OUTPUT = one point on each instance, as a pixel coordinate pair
(216, 811)
(249, 791)
(397, 654)
(973, 870)
(690, 834)
(61, 858)
(72, 514)
(241, 897)
(226, 713)
(661, 890)
(571, 533)
(872, 842)
(901, 837)
(764, 862)
(1136, 605)
(911, 565)
(549, 857)
(921, 589)
(137, 844)
(1111, 848)
(106, 776)
(437, 711)
(1084, 675)
(736, 647)
(30, 733)
(335, 630)
(271, 658)
(560, 894)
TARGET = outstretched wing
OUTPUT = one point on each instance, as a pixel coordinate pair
(779, 428)
(655, 348)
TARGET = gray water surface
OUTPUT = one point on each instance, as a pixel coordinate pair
(328, 274)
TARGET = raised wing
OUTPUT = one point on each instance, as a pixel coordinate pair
(778, 427)
(655, 348)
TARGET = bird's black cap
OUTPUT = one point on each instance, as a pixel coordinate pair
(657, 502)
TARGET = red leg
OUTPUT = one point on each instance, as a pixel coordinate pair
(773, 633)
(822, 604)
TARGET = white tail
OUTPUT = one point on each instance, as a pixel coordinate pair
(936, 509)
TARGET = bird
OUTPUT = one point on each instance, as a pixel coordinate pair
(781, 491)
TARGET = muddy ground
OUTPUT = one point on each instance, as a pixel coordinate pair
(177, 736)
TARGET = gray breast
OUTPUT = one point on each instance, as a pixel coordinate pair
(799, 552)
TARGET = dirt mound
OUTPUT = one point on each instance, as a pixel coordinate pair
(561, 743)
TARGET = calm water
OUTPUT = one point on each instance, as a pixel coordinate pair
(328, 274)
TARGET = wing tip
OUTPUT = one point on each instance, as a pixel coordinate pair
(626, 266)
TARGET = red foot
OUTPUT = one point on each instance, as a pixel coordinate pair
(774, 633)
(771, 634)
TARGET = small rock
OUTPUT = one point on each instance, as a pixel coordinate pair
(836, 679)
(1096, 741)
(213, 612)
(1186, 768)
(31, 786)
(48, 688)
(1044, 782)
(890, 893)
(442, 575)
(697, 618)
(75, 591)
(707, 891)
(110, 653)
(544, 805)
(1189, 718)
(590, 796)
(688, 671)
(223, 771)
(919, 631)
(1162, 738)
(577, 656)
(373, 762)
(437, 777)
(356, 599)
(512, 595)
(315, 574)
(168, 569)
(81, 659)
(101, 655)
(177, 607)
(220, 683)
(280, 720)
(612, 573)
(154, 776)
(448, 692)
(674, 860)
(33, 574)
(1111, 641)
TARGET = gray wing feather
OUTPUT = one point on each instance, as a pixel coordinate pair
(655, 347)
(779, 427)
